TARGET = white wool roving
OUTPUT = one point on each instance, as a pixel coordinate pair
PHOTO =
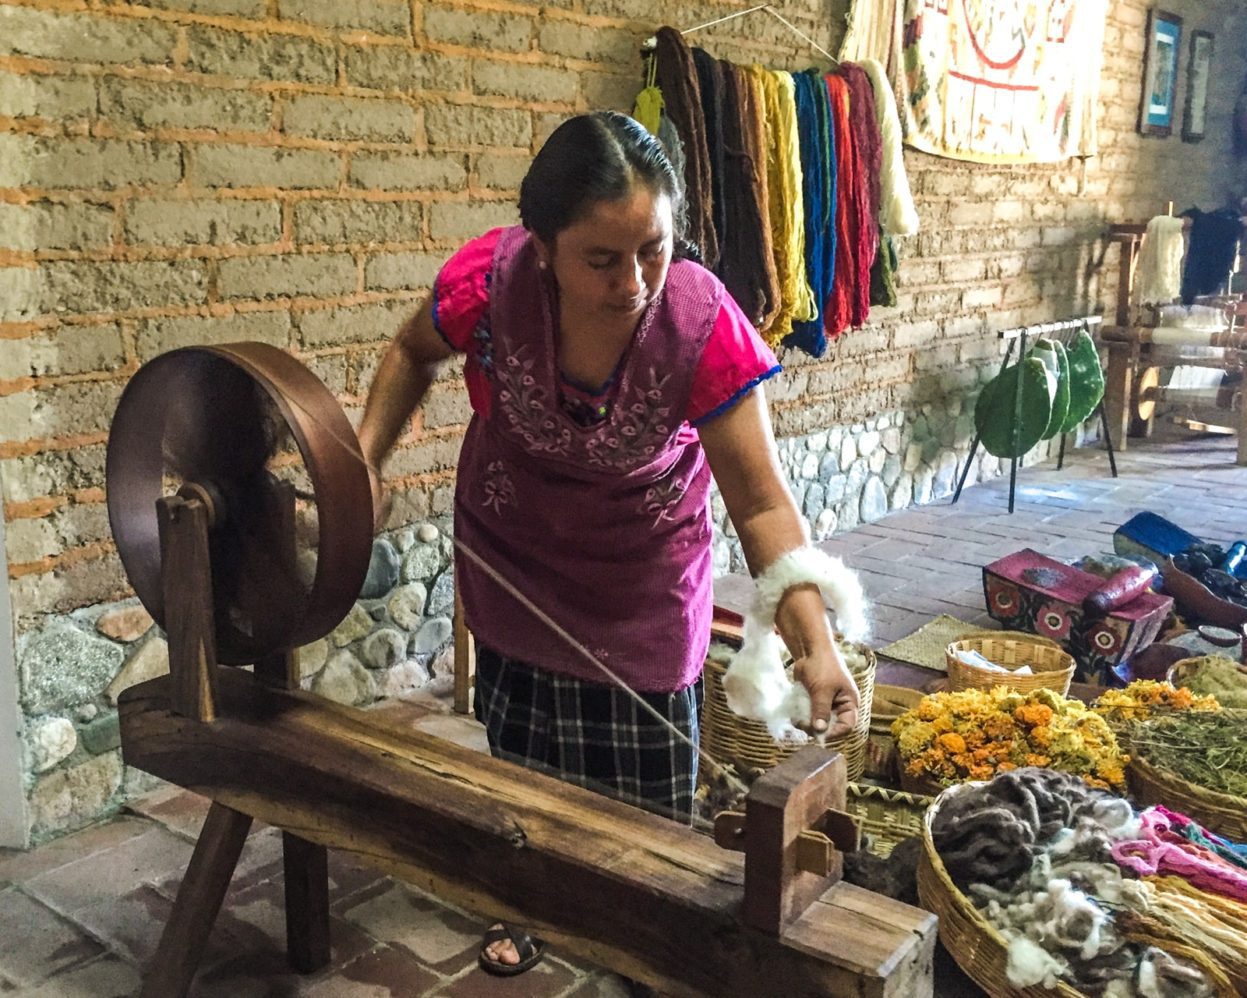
(756, 685)
(897, 212)
(1158, 277)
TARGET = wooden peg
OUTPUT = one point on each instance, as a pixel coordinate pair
(186, 570)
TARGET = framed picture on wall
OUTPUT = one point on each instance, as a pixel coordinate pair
(1160, 73)
(1198, 76)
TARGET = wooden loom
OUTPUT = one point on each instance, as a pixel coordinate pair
(644, 896)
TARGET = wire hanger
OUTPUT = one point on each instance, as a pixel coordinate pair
(651, 43)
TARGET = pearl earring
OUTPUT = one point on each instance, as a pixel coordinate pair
(541, 264)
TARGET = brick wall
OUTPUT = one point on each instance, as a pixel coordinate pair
(202, 171)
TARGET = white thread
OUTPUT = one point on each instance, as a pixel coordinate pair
(1158, 279)
(897, 213)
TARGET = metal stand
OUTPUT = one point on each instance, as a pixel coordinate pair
(1019, 336)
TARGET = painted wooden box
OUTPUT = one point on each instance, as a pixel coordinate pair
(1027, 591)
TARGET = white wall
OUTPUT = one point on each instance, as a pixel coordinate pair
(13, 825)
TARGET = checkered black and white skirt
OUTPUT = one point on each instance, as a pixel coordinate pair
(591, 734)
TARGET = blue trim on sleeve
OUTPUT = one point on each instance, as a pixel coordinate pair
(740, 393)
(437, 322)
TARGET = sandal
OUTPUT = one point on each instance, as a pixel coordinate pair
(530, 950)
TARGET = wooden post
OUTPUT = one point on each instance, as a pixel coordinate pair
(1118, 379)
(465, 660)
(198, 901)
(782, 805)
(307, 903)
(281, 669)
(186, 571)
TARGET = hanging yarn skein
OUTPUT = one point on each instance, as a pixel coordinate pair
(1158, 279)
(897, 213)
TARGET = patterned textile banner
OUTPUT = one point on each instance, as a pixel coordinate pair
(991, 81)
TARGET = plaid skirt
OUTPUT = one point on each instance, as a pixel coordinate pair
(591, 734)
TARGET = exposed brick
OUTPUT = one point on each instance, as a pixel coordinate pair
(580, 41)
(533, 83)
(386, 17)
(401, 171)
(459, 126)
(427, 454)
(81, 37)
(71, 350)
(464, 220)
(331, 369)
(395, 67)
(609, 91)
(349, 118)
(148, 104)
(43, 225)
(76, 407)
(444, 406)
(357, 324)
(77, 286)
(30, 161)
(165, 222)
(52, 474)
(236, 8)
(54, 97)
(972, 213)
(264, 57)
(401, 271)
(157, 336)
(478, 29)
(320, 274)
(264, 166)
(501, 172)
(357, 221)
(987, 297)
(916, 334)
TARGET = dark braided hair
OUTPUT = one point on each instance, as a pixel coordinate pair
(598, 157)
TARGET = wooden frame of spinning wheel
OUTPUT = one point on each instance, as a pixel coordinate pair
(637, 893)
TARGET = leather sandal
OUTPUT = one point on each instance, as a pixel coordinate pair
(530, 950)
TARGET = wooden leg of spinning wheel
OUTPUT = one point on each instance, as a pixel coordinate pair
(307, 903)
(198, 901)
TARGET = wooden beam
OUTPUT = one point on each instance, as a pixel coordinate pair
(610, 883)
(306, 867)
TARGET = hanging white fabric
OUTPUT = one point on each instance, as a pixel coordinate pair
(1158, 279)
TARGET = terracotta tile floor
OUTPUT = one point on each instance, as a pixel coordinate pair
(81, 915)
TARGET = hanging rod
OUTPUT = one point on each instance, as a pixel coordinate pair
(1044, 328)
(651, 43)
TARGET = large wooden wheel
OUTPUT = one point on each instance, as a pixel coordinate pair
(251, 433)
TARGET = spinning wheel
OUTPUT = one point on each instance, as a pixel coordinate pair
(246, 437)
(241, 508)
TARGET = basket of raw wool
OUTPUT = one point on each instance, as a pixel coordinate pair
(727, 736)
(1023, 886)
(1051, 668)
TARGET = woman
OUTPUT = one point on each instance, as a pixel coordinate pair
(609, 376)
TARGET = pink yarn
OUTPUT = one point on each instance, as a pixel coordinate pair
(1159, 850)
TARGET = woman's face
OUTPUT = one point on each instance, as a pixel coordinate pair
(612, 263)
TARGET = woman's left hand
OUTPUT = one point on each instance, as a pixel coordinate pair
(834, 699)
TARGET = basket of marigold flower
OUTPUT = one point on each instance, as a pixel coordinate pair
(1146, 698)
(1051, 668)
(974, 734)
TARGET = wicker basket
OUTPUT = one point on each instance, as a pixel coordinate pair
(1052, 668)
(1222, 813)
(886, 817)
(728, 737)
(979, 949)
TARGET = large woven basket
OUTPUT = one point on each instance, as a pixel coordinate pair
(979, 949)
(728, 737)
(886, 817)
(1051, 667)
(1222, 813)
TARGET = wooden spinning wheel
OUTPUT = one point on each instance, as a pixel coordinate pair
(242, 512)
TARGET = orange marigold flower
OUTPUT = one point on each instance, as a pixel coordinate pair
(951, 742)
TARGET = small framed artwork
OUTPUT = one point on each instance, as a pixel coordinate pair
(1160, 73)
(1198, 76)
